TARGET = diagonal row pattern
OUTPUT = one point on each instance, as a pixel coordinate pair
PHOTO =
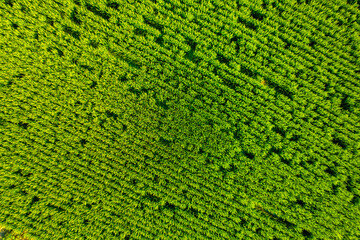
(169, 119)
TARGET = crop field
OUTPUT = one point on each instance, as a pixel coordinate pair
(180, 119)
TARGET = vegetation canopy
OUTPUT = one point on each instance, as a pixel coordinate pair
(180, 119)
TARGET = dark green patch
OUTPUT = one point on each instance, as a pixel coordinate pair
(97, 11)
(71, 32)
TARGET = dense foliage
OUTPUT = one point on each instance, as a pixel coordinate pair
(180, 119)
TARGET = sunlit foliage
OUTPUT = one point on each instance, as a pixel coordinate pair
(180, 119)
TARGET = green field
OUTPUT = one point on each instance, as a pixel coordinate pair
(180, 119)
